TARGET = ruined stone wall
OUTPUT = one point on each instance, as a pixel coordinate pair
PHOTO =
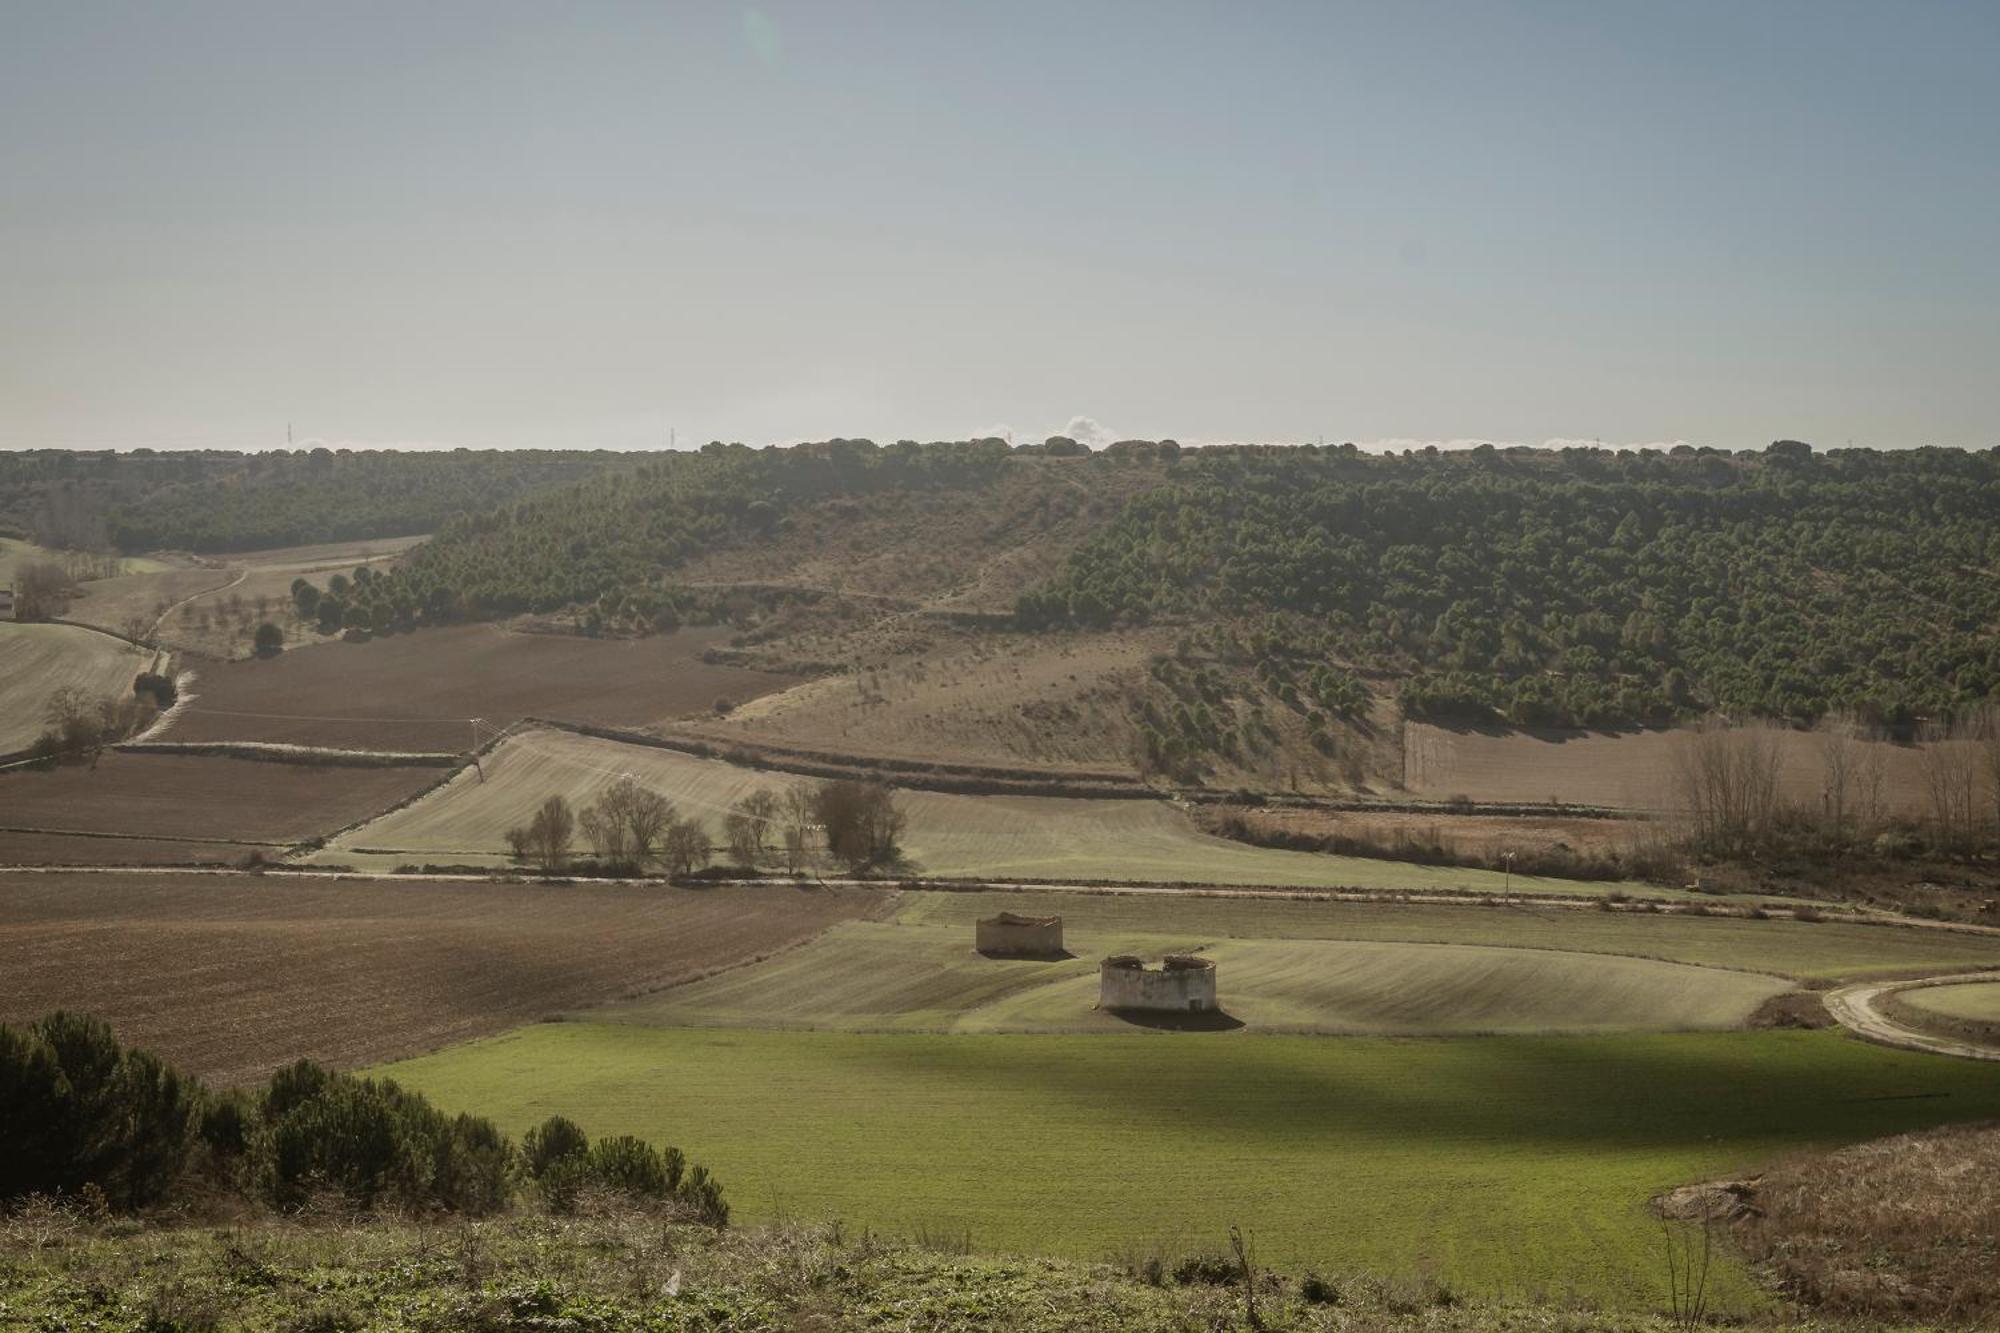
(1030, 936)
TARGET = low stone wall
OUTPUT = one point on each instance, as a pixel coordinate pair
(1024, 936)
(1181, 984)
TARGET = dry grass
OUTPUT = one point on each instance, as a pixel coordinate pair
(38, 660)
(1901, 1228)
(234, 976)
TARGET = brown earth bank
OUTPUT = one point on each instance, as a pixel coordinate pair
(233, 976)
(169, 796)
(1947, 889)
(1473, 834)
(417, 691)
(1906, 1228)
(1633, 769)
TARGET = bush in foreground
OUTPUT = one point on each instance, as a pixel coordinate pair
(85, 1119)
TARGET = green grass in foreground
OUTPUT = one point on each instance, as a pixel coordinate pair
(1778, 946)
(1506, 1166)
(876, 975)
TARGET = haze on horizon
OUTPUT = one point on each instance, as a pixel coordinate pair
(518, 224)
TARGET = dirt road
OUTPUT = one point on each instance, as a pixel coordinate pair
(1855, 1008)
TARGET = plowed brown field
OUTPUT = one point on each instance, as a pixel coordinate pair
(416, 691)
(234, 975)
(181, 797)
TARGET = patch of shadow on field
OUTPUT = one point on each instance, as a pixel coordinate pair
(1612, 1093)
(1161, 1020)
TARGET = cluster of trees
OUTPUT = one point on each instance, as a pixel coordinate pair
(78, 725)
(603, 545)
(1583, 586)
(1728, 790)
(88, 1118)
(632, 829)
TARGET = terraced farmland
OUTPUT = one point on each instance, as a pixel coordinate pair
(877, 975)
(1804, 950)
(1019, 837)
(38, 660)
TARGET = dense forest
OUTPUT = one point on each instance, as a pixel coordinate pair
(604, 546)
(213, 501)
(1583, 587)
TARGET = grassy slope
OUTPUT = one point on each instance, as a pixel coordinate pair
(1976, 1001)
(1798, 949)
(1019, 837)
(37, 660)
(878, 975)
(1505, 1165)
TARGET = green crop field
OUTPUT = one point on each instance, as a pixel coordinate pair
(1514, 1165)
(37, 660)
(1782, 947)
(1977, 1001)
(1015, 837)
(888, 975)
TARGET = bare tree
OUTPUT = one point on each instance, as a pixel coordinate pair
(626, 823)
(796, 822)
(1951, 761)
(685, 846)
(748, 826)
(1843, 756)
(1726, 783)
(861, 820)
(545, 839)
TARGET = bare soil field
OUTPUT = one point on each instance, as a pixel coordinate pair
(81, 849)
(417, 691)
(1629, 769)
(1472, 835)
(231, 976)
(38, 660)
(169, 797)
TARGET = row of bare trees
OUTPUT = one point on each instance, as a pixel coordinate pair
(1728, 787)
(632, 828)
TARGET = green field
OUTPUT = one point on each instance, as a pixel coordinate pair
(1976, 1002)
(1510, 1165)
(1781, 947)
(874, 976)
(1012, 837)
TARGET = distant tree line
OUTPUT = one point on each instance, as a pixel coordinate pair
(91, 1121)
(211, 500)
(1582, 586)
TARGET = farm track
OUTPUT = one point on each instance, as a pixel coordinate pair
(1855, 1008)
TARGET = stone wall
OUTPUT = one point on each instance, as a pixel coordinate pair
(1025, 936)
(1181, 984)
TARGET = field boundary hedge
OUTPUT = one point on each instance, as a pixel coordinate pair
(273, 752)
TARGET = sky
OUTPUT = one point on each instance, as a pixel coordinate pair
(616, 225)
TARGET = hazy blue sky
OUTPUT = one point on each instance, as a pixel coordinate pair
(582, 224)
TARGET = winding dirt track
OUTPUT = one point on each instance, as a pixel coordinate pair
(1853, 1007)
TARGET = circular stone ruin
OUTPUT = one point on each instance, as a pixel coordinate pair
(1181, 984)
